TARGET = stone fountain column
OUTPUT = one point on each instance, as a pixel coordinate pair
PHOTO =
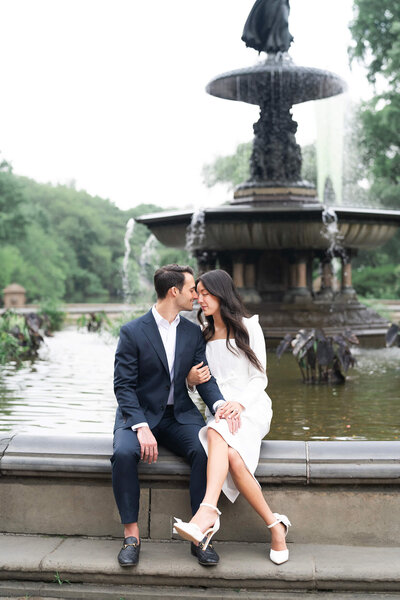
(298, 291)
(326, 292)
(347, 291)
(238, 271)
(244, 278)
(302, 293)
(251, 293)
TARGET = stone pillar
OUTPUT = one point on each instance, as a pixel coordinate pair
(326, 292)
(250, 294)
(301, 268)
(293, 275)
(299, 291)
(238, 272)
(346, 275)
(250, 275)
(347, 291)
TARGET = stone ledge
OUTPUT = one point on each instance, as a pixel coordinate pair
(93, 561)
(308, 463)
(47, 591)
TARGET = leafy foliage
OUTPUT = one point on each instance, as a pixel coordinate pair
(20, 336)
(376, 33)
(51, 311)
(95, 321)
(321, 358)
(378, 282)
(116, 324)
(235, 168)
(232, 169)
(62, 243)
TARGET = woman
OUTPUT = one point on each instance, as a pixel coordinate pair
(236, 356)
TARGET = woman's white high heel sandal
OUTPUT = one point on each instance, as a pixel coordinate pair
(193, 533)
(280, 556)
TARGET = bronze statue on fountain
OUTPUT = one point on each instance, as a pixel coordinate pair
(267, 27)
(275, 229)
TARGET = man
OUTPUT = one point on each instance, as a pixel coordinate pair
(154, 354)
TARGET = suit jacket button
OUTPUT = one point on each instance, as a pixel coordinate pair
(167, 387)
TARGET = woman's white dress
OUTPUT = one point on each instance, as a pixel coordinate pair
(240, 381)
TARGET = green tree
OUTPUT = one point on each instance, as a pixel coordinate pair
(376, 34)
(235, 168)
(12, 205)
(232, 169)
(63, 243)
(376, 44)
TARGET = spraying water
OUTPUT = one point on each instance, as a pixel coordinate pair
(329, 145)
(125, 265)
(196, 231)
(146, 260)
(330, 231)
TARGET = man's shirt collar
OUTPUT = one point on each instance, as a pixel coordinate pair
(161, 322)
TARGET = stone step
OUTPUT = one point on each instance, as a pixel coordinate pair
(244, 566)
(43, 591)
(311, 482)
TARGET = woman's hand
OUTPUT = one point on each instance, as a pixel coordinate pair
(230, 411)
(197, 375)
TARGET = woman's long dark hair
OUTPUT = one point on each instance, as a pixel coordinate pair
(219, 283)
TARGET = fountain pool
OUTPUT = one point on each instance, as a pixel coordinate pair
(69, 390)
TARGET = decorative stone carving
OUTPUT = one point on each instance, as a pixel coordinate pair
(276, 157)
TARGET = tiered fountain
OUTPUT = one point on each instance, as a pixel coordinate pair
(275, 229)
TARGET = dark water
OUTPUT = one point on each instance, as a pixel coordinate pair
(366, 407)
(69, 389)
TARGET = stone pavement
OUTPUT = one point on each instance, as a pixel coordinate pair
(87, 567)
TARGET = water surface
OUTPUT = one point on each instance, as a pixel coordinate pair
(69, 390)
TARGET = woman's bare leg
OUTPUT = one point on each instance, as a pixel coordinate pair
(250, 489)
(217, 470)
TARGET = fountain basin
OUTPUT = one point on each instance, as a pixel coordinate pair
(295, 83)
(270, 250)
(241, 227)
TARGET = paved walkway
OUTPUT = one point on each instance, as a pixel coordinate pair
(92, 561)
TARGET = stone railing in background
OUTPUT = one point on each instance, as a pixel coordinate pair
(333, 492)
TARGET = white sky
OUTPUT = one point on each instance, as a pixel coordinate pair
(111, 93)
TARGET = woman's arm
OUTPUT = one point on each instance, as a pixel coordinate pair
(258, 380)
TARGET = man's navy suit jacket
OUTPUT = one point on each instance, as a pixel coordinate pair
(142, 379)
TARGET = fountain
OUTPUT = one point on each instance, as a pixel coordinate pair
(275, 231)
(125, 263)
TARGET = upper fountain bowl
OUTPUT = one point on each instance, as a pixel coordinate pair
(292, 83)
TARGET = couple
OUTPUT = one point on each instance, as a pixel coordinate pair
(158, 356)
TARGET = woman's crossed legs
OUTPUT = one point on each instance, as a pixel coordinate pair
(221, 459)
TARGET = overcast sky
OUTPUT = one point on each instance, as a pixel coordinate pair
(111, 93)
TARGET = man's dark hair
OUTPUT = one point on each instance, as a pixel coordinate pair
(170, 276)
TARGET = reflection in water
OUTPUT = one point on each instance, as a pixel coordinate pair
(70, 390)
(366, 407)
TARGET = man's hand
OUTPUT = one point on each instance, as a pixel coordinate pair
(198, 374)
(230, 411)
(148, 445)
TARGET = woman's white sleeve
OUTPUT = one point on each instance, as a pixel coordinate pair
(258, 380)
